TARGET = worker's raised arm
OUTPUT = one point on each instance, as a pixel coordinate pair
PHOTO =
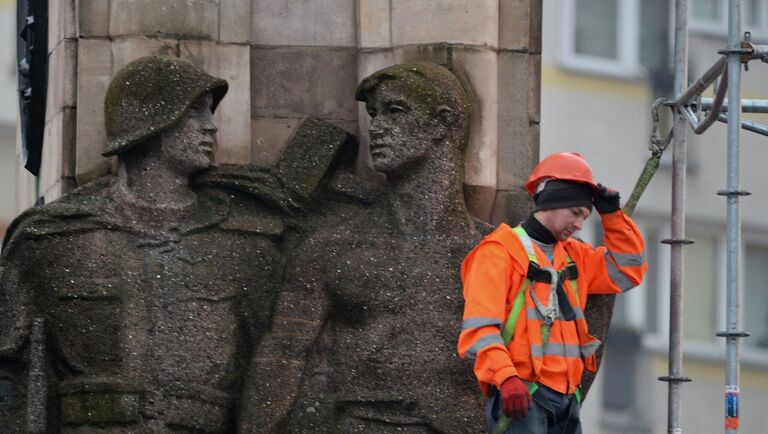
(487, 278)
(620, 264)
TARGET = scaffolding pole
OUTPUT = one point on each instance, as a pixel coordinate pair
(675, 377)
(688, 107)
(732, 334)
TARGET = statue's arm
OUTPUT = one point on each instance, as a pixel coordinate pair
(14, 334)
(278, 367)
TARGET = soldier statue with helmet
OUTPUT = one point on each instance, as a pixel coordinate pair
(149, 327)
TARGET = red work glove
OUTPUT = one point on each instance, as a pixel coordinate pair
(515, 398)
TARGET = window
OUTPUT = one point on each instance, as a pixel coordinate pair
(755, 291)
(711, 16)
(704, 303)
(601, 36)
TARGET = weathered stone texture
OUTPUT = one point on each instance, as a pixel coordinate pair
(304, 82)
(93, 18)
(480, 200)
(127, 49)
(534, 88)
(460, 21)
(61, 22)
(62, 78)
(371, 300)
(232, 63)
(191, 19)
(511, 207)
(234, 21)
(520, 25)
(477, 69)
(58, 146)
(536, 15)
(94, 74)
(269, 137)
(25, 186)
(514, 24)
(369, 62)
(480, 70)
(169, 289)
(517, 153)
(329, 23)
(374, 21)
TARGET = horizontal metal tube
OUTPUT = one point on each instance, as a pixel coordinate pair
(758, 52)
(747, 105)
(702, 83)
(747, 125)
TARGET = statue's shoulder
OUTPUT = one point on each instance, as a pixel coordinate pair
(249, 216)
(84, 208)
(482, 226)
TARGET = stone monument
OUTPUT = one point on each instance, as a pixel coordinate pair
(363, 337)
(132, 304)
(242, 299)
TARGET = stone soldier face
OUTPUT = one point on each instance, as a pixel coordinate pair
(188, 146)
(402, 135)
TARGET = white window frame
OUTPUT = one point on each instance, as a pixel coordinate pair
(749, 353)
(626, 65)
(719, 26)
(715, 348)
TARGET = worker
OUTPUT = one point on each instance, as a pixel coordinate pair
(525, 289)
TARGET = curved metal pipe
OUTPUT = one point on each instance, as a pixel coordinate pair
(717, 105)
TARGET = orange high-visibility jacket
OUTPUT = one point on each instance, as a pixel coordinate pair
(493, 274)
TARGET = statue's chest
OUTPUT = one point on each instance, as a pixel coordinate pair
(125, 298)
(385, 273)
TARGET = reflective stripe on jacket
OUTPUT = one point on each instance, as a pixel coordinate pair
(494, 272)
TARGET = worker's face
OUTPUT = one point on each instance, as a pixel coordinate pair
(401, 137)
(563, 222)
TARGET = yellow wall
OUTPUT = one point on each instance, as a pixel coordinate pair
(555, 77)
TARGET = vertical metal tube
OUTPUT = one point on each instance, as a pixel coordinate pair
(733, 220)
(678, 224)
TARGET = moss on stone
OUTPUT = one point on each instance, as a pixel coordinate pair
(428, 84)
(152, 94)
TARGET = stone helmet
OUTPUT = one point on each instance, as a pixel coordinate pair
(152, 94)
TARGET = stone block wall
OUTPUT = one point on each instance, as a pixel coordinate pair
(288, 60)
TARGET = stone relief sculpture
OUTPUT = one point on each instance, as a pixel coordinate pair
(132, 304)
(364, 328)
(298, 298)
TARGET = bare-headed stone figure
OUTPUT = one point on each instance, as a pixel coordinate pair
(132, 304)
(364, 327)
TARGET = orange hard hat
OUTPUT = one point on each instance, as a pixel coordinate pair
(566, 166)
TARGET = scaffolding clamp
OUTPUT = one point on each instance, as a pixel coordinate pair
(675, 379)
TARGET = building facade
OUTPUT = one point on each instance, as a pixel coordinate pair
(8, 113)
(604, 63)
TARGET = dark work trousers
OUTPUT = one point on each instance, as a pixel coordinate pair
(551, 413)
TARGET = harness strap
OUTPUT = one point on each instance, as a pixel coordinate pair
(570, 272)
(537, 274)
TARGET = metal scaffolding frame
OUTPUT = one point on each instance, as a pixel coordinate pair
(699, 113)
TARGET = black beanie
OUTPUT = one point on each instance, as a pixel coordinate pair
(564, 194)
